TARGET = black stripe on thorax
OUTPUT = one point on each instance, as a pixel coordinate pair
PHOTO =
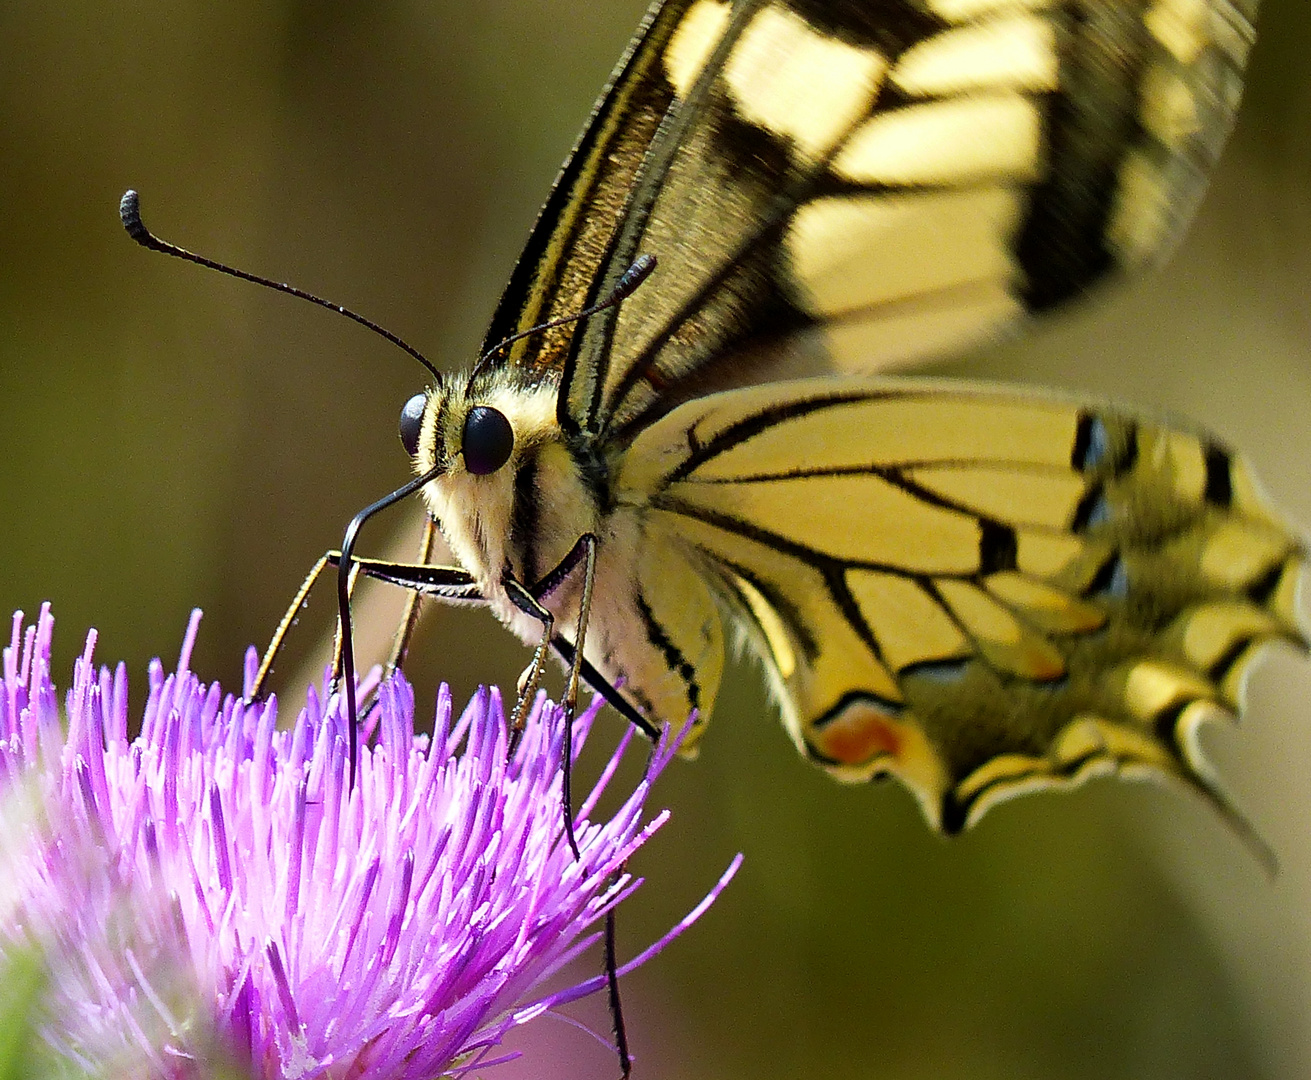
(525, 518)
(1219, 480)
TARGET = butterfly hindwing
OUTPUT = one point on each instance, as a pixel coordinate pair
(974, 590)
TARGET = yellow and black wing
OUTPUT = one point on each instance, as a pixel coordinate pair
(977, 591)
(852, 184)
(974, 590)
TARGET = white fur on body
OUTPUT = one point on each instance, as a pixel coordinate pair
(477, 516)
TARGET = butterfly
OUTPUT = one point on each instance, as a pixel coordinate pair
(975, 589)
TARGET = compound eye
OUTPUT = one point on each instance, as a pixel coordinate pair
(412, 423)
(488, 440)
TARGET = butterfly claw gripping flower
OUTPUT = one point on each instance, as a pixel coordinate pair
(212, 895)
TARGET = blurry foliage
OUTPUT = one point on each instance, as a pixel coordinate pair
(170, 438)
(22, 978)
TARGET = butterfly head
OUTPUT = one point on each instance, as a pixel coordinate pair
(477, 431)
(475, 426)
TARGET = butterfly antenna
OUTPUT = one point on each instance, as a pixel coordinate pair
(624, 288)
(129, 210)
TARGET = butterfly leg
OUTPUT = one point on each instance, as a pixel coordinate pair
(284, 627)
(410, 619)
(450, 583)
(526, 602)
(588, 542)
(585, 551)
(587, 546)
(446, 582)
(393, 572)
(598, 682)
(612, 991)
(453, 584)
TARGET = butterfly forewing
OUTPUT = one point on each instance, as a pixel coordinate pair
(856, 185)
(975, 590)
(561, 269)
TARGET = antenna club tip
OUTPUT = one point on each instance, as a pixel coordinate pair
(129, 212)
(633, 277)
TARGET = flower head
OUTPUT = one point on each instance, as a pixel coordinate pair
(216, 886)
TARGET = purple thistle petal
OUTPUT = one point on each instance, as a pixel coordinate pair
(591, 986)
(284, 987)
(222, 863)
(397, 928)
(296, 851)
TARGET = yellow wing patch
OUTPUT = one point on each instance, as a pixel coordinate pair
(1016, 50)
(799, 84)
(965, 141)
(908, 622)
(851, 256)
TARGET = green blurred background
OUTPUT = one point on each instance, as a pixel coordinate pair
(170, 438)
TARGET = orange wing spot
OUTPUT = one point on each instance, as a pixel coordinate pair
(1040, 662)
(857, 735)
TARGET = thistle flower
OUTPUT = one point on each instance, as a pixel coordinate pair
(212, 890)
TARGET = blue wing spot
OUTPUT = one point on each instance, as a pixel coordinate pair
(1092, 443)
(1111, 581)
(1093, 510)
